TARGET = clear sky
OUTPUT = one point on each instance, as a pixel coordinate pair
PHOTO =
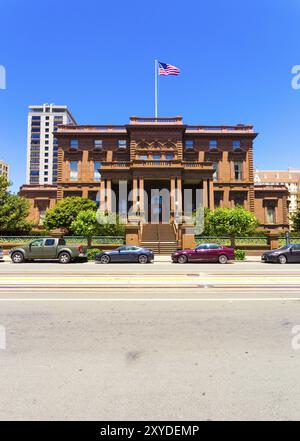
(97, 57)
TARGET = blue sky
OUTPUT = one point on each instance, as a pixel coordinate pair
(97, 57)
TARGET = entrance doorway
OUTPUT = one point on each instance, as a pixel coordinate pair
(157, 194)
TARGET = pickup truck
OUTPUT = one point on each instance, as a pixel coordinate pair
(48, 249)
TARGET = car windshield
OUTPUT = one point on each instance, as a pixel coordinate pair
(285, 247)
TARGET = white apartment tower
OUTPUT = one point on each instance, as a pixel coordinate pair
(42, 145)
(4, 169)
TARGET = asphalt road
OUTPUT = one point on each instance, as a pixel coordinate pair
(149, 352)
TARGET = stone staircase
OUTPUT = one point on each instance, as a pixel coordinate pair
(160, 238)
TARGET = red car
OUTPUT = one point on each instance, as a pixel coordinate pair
(209, 252)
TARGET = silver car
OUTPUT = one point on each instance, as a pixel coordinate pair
(1, 253)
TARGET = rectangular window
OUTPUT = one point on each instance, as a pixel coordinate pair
(189, 144)
(97, 174)
(143, 157)
(74, 171)
(216, 170)
(74, 144)
(239, 201)
(122, 144)
(271, 214)
(98, 144)
(156, 157)
(238, 175)
(236, 144)
(169, 157)
(213, 144)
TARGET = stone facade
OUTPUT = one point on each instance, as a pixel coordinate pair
(41, 198)
(163, 153)
(289, 178)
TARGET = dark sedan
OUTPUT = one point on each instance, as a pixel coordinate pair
(126, 254)
(209, 252)
(286, 254)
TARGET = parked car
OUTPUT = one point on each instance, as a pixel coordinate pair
(286, 254)
(209, 252)
(48, 249)
(1, 253)
(126, 253)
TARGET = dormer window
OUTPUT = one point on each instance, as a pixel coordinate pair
(189, 144)
(213, 144)
(122, 144)
(74, 144)
(98, 144)
(236, 144)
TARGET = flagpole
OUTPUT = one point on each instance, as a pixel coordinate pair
(156, 87)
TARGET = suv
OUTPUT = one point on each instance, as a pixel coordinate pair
(48, 249)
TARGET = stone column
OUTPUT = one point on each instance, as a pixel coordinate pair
(141, 196)
(102, 195)
(134, 194)
(205, 195)
(85, 192)
(172, 197)
(108, 195)
(226, 198)
(211, 195)
(179, 195)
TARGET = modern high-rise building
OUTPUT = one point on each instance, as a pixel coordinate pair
(4, 169)
(42, 148)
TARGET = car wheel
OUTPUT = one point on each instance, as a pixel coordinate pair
(104, 259)
(182, 259)
(64, 258)
(282, 259)
(143, 259)
(17, 257)
(223, 259)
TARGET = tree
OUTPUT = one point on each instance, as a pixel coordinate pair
(90, 223)
(231, 222)
(295, 218)
(66, 211)
(14, 211)
(110, 224)
(86, 224)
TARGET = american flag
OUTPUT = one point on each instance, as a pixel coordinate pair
(168, 69)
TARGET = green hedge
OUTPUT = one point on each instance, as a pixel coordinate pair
(257, 240)
(91, 253)
(71, 240)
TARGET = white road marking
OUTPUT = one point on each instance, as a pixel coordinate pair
(263, 299)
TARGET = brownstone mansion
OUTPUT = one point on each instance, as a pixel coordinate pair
(159, 153)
